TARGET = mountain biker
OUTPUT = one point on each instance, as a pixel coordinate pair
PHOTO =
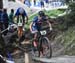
(35, 26)
(21, 12)
(22, 18)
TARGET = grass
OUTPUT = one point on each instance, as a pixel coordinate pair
(54, 13)
(69, 35)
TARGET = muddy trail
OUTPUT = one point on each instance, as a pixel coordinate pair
(57, 56)
(57, 49)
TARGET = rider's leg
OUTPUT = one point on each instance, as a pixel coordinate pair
(35, 36)
(20, 32)
(19, 35)
(35, 40)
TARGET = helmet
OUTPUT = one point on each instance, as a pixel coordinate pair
(21, 10)
(41, 13)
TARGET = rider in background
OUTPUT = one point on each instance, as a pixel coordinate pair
(5, 18)
(35, 26)
(20, 13)
(11, 16)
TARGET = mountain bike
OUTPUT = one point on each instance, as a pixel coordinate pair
(42, 47)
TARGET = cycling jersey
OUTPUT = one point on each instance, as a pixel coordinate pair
(37, 23)
(20, 11)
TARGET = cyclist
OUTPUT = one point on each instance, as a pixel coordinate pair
(22, 18)
(36, 25)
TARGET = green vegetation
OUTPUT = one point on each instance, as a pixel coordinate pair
(68, 36)
(54, 13)
(68, 41)
(29, 21)
(66, 21)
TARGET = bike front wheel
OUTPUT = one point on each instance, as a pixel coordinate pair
(45, 49)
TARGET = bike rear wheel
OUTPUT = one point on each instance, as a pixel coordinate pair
(45, 49)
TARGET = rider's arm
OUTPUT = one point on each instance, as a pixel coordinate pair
(31, 26)
(25, 14)
(34, 21)
(47, 18)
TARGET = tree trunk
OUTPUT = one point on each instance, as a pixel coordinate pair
(1, 4)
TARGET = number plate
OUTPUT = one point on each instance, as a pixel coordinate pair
(19, 24)
(43, 32)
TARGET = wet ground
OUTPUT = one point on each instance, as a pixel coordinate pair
(25, 57)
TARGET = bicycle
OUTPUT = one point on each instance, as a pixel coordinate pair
(42, 48)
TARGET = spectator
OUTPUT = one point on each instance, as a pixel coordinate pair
(42, 3)
(5, 18)
(11, 16)
(1, 20)
(34, 2)
(24, 1)
(11, 0)
(50, 1)
(29, 4)
(47, 2)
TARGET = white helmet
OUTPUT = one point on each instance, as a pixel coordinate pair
(14, 26)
